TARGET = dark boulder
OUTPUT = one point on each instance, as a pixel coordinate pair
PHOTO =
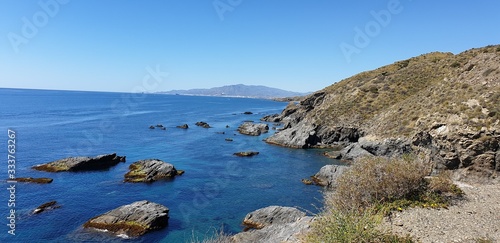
(46, 206)
(202, 124)
(183, 126)
(246, 154)
(81, 163)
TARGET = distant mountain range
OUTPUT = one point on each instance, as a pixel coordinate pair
(238, 90)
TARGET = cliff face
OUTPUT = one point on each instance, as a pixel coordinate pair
(445, 105)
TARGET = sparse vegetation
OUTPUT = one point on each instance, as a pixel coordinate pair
(373, 188)
(385, 101)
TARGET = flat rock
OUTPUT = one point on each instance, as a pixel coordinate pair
(150, 170)
(260, 218)
(253, 129)
(274, 224)
(33, 180)
(183, 126)
(81, 163)
(328, 175)
(132, 220)
(246, 154)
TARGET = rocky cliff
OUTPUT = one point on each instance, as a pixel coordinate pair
(444, 105)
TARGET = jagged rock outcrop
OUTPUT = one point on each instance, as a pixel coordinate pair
(271, 118)
(132, 220)
(442, 104)
(253, 129)
(274, 224)
(150, 170)
(328, 175)
(81, 163)
(455, 148)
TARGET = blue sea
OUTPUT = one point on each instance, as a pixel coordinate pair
(216, 191)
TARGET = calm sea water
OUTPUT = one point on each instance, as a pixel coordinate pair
(217, 190)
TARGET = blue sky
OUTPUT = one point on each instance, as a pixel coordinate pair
(290, 44)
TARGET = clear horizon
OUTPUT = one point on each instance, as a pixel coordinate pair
(158, 46)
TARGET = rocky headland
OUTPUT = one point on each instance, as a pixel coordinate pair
(439, 104)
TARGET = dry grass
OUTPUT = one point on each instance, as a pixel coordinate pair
(218, 237)
(378, 180)
(397, 99)
(371, 189)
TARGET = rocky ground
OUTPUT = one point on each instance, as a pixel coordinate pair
(476, 218)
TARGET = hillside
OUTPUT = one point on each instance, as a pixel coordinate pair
(445, 105)
(239, 90)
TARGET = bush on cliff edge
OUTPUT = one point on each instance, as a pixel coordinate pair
(370, 190)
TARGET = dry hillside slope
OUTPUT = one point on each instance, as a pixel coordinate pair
(445, 105)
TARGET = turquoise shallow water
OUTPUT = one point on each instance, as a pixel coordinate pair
(217, 190)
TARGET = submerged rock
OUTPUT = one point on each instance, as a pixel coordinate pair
(328, 175)
(46, 206)
(33, 180)
(246, 154)
(229, 139)
(150, 170)
(151, 127)
(203, 124)
(274, 224)
(81, 163)
(248, 113)
(132, 220)
(183, 126)
(307, 181)
(253, 129)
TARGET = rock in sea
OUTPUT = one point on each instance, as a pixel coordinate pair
(151, 170)
(183, 126)
(246, 154)
(34, 180)
(132, 220)
(81, 163)
(253, 129)
(202, 124)
(46, 206)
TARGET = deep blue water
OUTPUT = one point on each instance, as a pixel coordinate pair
(217, 190)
